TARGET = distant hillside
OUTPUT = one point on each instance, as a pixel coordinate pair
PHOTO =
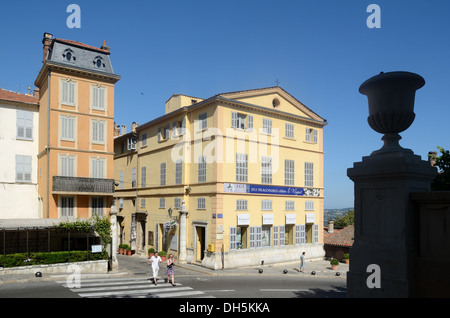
(333, 214)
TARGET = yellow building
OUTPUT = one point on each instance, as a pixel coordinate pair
(76, 120)
(248, 168)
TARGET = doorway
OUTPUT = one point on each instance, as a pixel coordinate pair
(200, 243)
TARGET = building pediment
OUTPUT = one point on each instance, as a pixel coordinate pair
(274, 98)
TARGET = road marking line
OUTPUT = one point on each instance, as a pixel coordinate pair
(150, 291)
(115, 287)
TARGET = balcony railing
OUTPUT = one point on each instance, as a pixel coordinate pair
(83, 185)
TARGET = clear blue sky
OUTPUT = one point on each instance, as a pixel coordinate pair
(320, 51)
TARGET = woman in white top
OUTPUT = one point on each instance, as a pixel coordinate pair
(155, 260)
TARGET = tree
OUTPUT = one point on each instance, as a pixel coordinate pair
(442, 180)
(345, 220)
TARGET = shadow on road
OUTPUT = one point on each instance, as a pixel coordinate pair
(335, 292)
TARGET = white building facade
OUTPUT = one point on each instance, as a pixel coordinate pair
(19, 120)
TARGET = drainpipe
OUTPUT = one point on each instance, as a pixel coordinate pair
(48, 142)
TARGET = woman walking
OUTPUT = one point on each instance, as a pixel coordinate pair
(170, 269)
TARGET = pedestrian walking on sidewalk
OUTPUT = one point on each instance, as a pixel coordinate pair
(170, 270)
(155, 260)
(302, 263)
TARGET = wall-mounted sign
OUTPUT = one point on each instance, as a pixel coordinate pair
(267, 189)
(243, 219)
(291, 218)
(310, 218)
(235, 187)
(96, 248)
(267, 219)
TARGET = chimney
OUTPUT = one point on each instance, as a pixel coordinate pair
(116, 130)
(124, 129)
(330, 227)
(104, 46)
(134, 126)
(432, 158)
(47, 41)
(36, 92)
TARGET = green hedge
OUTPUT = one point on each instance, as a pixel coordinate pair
(20, 259)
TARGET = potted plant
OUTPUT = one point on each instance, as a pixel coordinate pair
(128, 250)
(162, 254)
(346, 258)
(151, 252)
(334, 263)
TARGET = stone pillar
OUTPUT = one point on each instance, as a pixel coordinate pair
(114, 243)
(183, 233)
(386, 227)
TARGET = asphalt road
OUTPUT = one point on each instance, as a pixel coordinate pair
(192, 281)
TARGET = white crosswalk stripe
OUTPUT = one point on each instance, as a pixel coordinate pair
(140, 287)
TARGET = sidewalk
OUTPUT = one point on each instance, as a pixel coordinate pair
(318, 268)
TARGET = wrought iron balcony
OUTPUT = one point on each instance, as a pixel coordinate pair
(77, 185)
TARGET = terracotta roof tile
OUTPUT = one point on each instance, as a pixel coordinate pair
(341, 237)
(16, 97)
(83, 45)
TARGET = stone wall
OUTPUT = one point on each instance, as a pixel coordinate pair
(99, 267)
(253, 257)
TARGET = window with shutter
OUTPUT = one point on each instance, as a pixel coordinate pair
(250, 122)
(241, 167)
(232, 238)
(162, 174)
(266, 170)
(98, 98)
(275, 236)
(316, 233)
(178, 172)
(289, 172)
(267, 126)
(302, 233)
(23, 168)
(67, 166)
(68, 93)
(234, 120)
(24, 124)
(143, 177)
(67, 206)
(67, 128)
(252, 237)
(133, 177)
(98, 131)
(309, 174)
(202, 121)
(98, 168)
(202, 169)
(282, 235)
(258, 236)
(297, 235)
(97, 206)
(289, 130)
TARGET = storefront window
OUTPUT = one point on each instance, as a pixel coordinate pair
(289, 234)
(265, 236)
(241, 237)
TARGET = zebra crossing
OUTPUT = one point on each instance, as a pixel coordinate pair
(130, 287)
